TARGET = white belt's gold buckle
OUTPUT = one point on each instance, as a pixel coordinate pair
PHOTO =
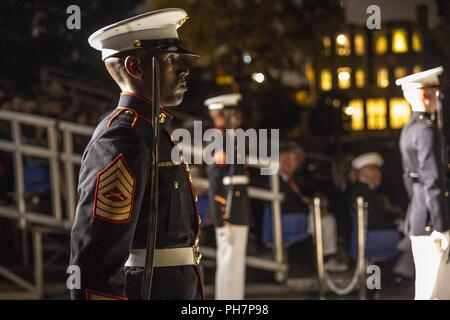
(196, 252)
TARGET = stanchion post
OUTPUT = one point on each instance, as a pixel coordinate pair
(319, 247)
(361, 246)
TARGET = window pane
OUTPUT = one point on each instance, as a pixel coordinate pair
(355, 109)
(417, 68)
(359, 44)
(326, 41)
(342, 44)
(416, 42)
(399, 41)
(399, 112)
(400, 72)
(382, 77)
(325, 80)
(344, 77)
(360, 78)
(380, 43)
(376, 114)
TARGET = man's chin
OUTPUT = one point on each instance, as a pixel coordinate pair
(174, 102)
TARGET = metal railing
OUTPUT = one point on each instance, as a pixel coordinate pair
(278, 264)
(62, 160)
(57, 221)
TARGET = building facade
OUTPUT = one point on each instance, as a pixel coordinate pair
(363, 65)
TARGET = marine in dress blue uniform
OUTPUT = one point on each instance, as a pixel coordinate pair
(428, 220)
(229, 201)
(109, 235)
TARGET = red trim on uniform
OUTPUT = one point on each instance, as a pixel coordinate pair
(201, 286)
(162, 109)
(197, 215)
(137, 115)
(113, 117)
(90, 292)
(136, 96)
(119, 157)
(221, 165)
(220, 199)
(190, 187)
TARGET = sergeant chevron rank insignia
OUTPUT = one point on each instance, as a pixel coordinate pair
(114, 192)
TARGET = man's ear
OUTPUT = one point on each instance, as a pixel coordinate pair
(133, 67)
(425, 97)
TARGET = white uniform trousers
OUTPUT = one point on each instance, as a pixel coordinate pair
(426, 260)
(329, 233)
(230, 262)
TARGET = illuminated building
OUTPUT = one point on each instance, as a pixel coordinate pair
(363, 65)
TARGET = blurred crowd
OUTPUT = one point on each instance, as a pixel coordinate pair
(386, 243)
(47, 106)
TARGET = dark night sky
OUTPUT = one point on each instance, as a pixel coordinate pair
(390, 10)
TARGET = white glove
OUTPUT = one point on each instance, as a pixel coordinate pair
(400, 224)
(441, 240)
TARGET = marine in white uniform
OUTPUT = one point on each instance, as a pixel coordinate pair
(229, 201)
(421, 145)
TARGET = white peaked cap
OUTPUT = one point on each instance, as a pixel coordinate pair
(220, 102)
(153, 30)
(367, 159)
(424, 79)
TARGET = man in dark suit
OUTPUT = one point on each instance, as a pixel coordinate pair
(424, 166)
(298, 194)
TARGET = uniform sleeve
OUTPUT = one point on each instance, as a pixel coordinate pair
(432, 176)
(215, 174)
(113, 178)
(407, 182)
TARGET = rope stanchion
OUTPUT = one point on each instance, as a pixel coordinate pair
(361, 209)
(358, 278)
(319, 247)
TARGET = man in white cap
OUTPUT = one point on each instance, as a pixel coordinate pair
(380, 213)
(110, 231)
(421, 145)
(229, 201)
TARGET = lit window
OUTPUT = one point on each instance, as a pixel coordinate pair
(344, 78)
(399, 112)
(417, 68)
(382, 77)
(380, 43)
(302, 96)
(416, 42)
(376, 114)
(400, 72)
(342, 45)
(355, 110)
(399, 41)
(359, 44)
(326, 41)
(310, 75)
(326, 80)
(360, 78)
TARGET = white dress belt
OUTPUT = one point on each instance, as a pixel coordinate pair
(236, 180)
(170, 257)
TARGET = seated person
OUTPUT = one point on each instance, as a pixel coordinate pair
(297, 200)
(329, 237)
(381, 213)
